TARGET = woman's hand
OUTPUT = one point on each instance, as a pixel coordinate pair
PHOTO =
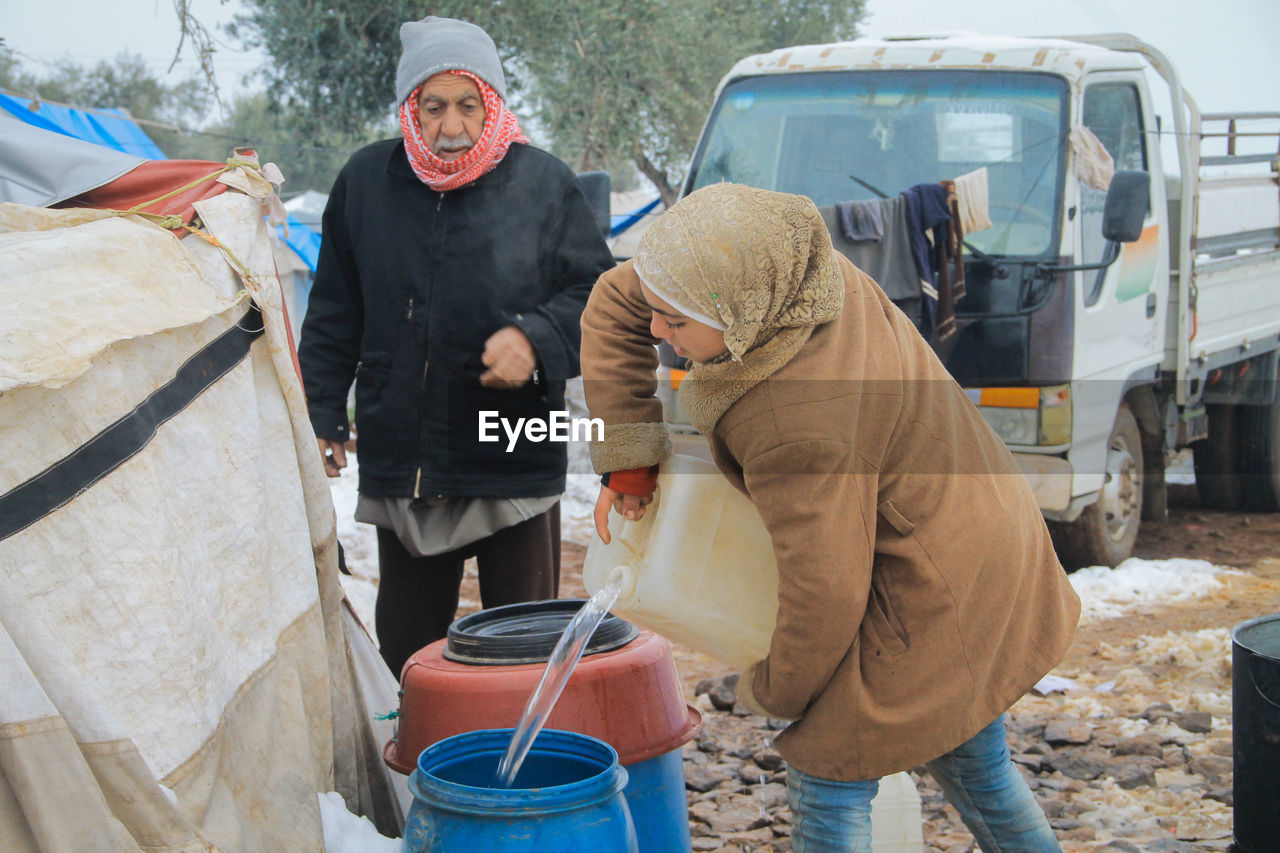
(630, 507)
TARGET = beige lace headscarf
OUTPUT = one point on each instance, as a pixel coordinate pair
(756, 264)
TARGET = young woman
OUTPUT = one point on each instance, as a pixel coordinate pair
(918, 592)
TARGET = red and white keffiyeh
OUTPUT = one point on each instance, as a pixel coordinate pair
(500, 130)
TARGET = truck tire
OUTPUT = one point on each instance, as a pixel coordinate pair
(1217, 460)
(1104, 533)
(1259, 457)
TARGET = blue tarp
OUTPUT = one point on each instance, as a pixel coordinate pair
(111, 128)
(304, 242)
(622, 221)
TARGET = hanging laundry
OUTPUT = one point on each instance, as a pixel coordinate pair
(887, 260)
(860, 220)
(972, 200)
(1094, 166)
(927, 215)
(949, 267)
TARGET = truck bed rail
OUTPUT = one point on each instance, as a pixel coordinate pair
(1246, 127)
(1237, 203)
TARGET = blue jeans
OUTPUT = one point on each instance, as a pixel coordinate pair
(977, 778)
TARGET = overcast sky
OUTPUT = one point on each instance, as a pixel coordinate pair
(87, 31)
(1224, 50)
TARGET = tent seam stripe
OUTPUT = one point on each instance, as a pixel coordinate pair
(58, 485)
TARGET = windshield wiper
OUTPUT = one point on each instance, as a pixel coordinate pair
(871, 187)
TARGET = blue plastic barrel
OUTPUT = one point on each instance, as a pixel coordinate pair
(567, 797)
(655, 795)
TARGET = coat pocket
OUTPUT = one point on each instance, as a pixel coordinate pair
(386, 412)
(372, 373)
(887, 629)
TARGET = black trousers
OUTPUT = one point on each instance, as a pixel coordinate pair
(418, 596)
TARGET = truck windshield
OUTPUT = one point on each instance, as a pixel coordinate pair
(839, 136)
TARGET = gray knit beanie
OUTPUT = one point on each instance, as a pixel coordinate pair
(436, 44)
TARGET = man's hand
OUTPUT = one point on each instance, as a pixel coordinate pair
(509, 357)
(628, 506)
(334, 455)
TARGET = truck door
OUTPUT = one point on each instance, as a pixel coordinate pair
(1118, 332)
(1118, 307)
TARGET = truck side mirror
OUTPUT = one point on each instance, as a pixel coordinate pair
(1128, 200)
(596, 186)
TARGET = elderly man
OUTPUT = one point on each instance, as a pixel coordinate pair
(455, 265)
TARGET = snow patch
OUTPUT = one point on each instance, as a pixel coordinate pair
(359, 545)
(1181, 470)
(345, 832)
(1107, 593)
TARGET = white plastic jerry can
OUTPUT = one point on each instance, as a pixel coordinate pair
(897, 823)
(698, 568)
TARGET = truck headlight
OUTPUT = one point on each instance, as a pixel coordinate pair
(1027, 416)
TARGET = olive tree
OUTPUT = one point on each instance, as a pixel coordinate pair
(604, 82)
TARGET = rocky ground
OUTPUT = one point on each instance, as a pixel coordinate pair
(1133, 755)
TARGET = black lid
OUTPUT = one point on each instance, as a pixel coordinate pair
(528, 633)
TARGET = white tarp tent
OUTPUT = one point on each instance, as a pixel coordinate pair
(178, 670)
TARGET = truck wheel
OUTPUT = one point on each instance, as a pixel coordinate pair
(1260, 457)
(1104, 533)
(1217, 460)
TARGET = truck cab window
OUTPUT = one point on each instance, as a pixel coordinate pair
(855, 135)
(1113, 112)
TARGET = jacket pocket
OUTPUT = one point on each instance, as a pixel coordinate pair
(373, 370)
(887, 629)
(386, 416)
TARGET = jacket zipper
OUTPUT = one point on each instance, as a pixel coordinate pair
(408, 316)
(417, 480)
(417, 477)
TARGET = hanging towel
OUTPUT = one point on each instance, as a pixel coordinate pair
(972, 200)
(955, 241)
(949, 266)
(860, 220)
(1094, 166)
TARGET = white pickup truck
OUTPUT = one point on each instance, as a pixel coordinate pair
(1101, 330)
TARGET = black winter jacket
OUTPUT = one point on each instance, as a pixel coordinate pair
(411, 282)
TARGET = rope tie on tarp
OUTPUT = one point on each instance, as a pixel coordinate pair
(174, 222)
(231, 163)
(238, 264)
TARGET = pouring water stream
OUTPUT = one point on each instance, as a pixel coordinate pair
(560, 666)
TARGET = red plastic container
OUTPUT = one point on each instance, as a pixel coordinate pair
(629, 697)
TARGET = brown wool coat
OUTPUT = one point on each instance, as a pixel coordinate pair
(919, 595)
